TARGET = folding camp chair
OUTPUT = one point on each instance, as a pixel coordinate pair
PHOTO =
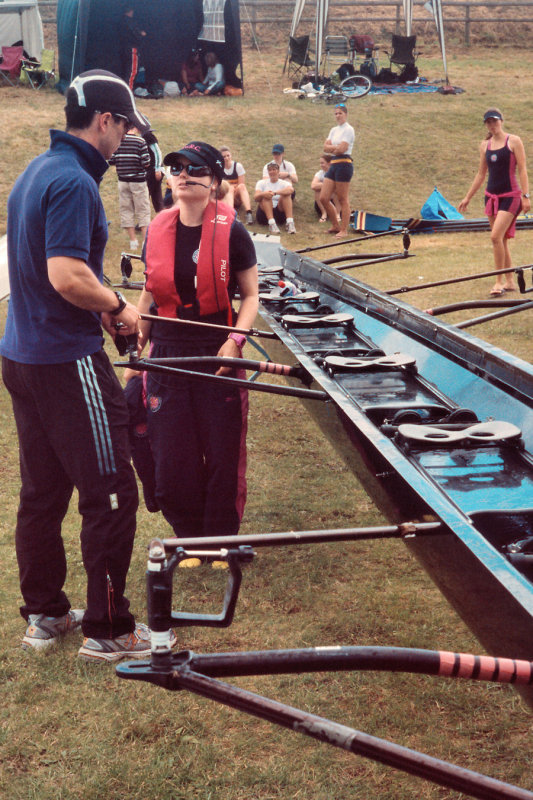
(299, 58)
(10, 64)
(337, 50)
(39, 74)
(403, 52)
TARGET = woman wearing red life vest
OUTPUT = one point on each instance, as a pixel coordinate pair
(197, 254)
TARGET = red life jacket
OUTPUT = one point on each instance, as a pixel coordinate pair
(213, 261)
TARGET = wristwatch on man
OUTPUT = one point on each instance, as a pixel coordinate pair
(525, 194)
(122, 303)
(239, 339)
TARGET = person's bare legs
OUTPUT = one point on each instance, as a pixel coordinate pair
(265, 204)
(285, 205)
(343, 190)
(323, 212)
(241, 194)
(499, 225)
(328, 187)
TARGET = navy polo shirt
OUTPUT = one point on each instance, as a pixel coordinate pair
(54, 209)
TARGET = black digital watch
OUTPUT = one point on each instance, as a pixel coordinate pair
(122, 303)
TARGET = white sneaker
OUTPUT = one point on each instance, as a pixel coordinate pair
(134, 244)
(272, 227)
(290, 227)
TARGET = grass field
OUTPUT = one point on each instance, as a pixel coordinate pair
(70, 731)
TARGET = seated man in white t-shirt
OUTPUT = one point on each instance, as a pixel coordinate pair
(274, 199)
(287, 170)
(237, 196)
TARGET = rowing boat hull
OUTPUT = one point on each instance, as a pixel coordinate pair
(489, 593)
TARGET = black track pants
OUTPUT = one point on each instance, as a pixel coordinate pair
(72, 425)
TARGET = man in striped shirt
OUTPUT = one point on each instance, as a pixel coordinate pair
(132, 159)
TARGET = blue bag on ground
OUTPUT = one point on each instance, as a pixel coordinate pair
(363, 221)
(437, 207)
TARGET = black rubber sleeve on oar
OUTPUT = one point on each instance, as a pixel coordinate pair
(268, 388)
(380, 659)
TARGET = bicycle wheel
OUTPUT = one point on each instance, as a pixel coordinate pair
(355, 86)
(335, 98)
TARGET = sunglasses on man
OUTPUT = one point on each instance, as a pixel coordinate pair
(193, 170)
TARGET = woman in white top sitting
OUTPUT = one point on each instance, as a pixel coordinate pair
(337, 179)
(213, 82)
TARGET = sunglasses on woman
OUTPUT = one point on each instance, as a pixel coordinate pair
(190, 169)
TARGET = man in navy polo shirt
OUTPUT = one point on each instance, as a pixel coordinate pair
(68, 405)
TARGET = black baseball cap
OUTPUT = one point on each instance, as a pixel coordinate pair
(492, 113)
(202, 154)
(99, 90)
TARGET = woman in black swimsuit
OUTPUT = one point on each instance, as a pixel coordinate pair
(502, 155)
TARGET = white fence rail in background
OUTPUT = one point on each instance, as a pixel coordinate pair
(464, 13)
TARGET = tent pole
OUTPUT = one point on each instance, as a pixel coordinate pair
(75, 45)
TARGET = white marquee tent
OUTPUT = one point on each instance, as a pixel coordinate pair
(21, 21)
(434, 7)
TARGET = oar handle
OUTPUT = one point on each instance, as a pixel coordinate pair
(236, 363)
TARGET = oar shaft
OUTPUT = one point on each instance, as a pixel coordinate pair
(350, 739)
(377, 260)
(176, 321)
(357, 256)
(366, 238)
(461, 279)
(488, 317)
(268, 388)
(494, 303)
(402, 531)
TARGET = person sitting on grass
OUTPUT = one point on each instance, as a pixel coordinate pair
(287, 170)
(213, 82)
(238, 193)
(191, 73)
(274, 199)
(316, 186)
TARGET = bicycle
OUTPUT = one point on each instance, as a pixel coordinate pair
(351, 88)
